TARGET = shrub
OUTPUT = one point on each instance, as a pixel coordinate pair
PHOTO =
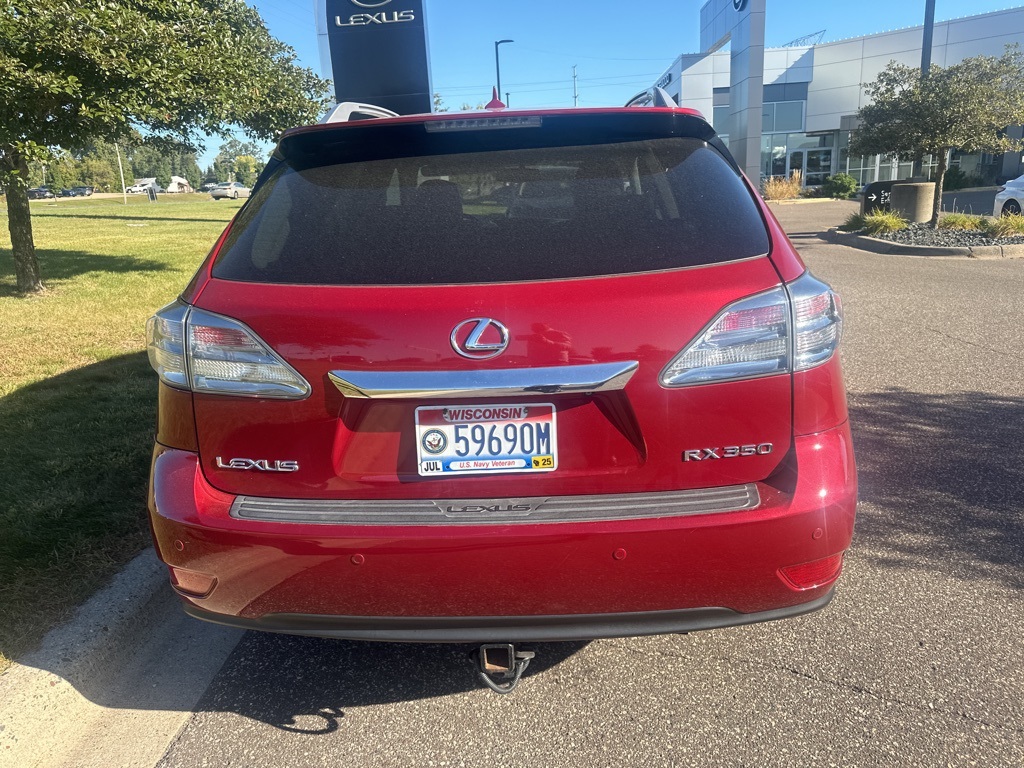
(781, 188)
(964, 221)
(842, 186)
(855, 223)
(954, 179)
(881, 222)
(1006, 226)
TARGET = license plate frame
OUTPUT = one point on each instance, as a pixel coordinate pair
(443, 430)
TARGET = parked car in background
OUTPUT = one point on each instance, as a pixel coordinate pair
(1009, 198)
(142, 186)
(208, 186)
(389, 412)
(229, 189)
(79, 191)
(40, 193)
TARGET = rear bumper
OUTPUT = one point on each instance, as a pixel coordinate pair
(480, 583)
(512, 629)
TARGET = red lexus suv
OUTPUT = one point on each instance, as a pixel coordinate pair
(504, 376)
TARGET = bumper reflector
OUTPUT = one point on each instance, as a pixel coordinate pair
(816, 573)
(192, 583)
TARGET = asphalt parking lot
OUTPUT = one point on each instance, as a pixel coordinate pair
(919, 661)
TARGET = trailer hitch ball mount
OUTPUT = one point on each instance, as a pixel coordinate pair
(500, 665)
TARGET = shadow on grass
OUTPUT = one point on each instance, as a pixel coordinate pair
(943, 476)
(78, 215)
(74, 463)
(60, 264)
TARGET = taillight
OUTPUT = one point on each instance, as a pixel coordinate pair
(165, 339)
(746, 340)
(193, 349)
(788, 328)
(817, 321)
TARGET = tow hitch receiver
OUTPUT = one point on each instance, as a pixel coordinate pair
(500, 665)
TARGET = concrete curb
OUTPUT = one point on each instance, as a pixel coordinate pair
(82, 652)
(876, 245)
(83, 646)
(805, 200)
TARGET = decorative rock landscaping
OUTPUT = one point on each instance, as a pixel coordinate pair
(923, 234)
(914, 241)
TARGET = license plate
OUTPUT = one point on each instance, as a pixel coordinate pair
(481, 439)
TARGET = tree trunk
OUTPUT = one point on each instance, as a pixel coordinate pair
(940, 175)
(19, 220)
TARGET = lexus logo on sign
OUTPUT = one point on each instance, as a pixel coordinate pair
(376, 3)
(479, 338)
(739, 5)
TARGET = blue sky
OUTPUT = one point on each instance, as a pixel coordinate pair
(619, 48)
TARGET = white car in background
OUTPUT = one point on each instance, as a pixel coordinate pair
(230, 189)
(1009, 198)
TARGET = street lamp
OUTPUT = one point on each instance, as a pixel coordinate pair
(497, 62)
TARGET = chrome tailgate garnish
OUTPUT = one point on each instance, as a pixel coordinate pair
(538, 509)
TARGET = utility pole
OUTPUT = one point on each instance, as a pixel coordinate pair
(120, 168)
(575, 92)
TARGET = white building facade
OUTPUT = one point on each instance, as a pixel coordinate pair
(812, 93)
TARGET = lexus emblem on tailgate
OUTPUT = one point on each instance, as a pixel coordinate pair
(479, 338)
(263, 465)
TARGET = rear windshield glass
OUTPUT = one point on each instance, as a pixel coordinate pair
(496, 216)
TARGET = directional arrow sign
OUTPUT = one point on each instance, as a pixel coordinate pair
(872, 197)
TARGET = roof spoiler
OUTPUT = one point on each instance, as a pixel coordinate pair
(348, 111)
(652, 97)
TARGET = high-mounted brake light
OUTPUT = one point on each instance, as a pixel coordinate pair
(792, 327)
(193, 349)
(482, 123)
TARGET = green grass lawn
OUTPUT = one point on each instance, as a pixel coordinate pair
(78, 399)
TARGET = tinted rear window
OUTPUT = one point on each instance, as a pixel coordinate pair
(535, 213)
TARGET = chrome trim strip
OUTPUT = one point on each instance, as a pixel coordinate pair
(537, 509)
(510, 382)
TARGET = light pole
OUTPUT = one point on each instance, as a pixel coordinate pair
(917, 171)
(497, 61)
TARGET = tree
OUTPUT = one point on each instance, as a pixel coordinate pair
(151, 163)
(77, 71)
(967, 106)
(247, 168)
(99, 174)
(233, 148)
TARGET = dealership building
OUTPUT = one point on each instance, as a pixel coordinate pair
(809, 95)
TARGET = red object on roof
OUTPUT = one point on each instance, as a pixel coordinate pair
(495, 102)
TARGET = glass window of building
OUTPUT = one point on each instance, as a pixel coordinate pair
(789, 116)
